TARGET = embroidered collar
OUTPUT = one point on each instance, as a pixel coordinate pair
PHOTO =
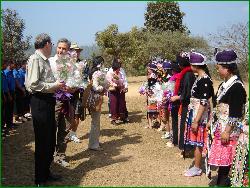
(226, 85)
(229, 82)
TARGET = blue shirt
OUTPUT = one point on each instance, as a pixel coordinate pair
(21, 76)
(5, 87)
(11, 80)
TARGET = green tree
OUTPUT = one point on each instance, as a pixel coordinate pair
(14, 44)
(164, 16)
(111, 42)
(138, 46)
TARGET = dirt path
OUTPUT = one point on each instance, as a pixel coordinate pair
(132, 156)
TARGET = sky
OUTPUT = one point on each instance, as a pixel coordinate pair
(79, 21)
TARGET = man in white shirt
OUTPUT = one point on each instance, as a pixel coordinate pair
(63, 121)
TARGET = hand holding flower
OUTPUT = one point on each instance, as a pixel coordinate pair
(225, 137)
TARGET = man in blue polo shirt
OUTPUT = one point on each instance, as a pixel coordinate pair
(5, 96)
(26, 99)
(11, 85)
(20, 94)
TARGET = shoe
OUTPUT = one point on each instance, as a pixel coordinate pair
(194, 171)
(22, 119)
(113, 122)
(75, 139)
(27, 115)
(72, 137)
(62, 163)
(54, 177)
(18, 120)
(41, 184)
(96, 149)
(126, 120)
(166, 136)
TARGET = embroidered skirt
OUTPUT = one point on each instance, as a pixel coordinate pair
(200, 137)
(222, 154)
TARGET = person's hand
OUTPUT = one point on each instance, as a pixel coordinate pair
(102, 93)
(124, 90)
(60, 85)
(225, 137)
(70, 89)
(164, 99)
(208, 124)
(194, 127)
(174, 98)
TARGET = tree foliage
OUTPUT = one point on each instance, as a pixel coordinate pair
(235, 37)
(14, 44)
(137, 47)
(164, 16)
(112, 42)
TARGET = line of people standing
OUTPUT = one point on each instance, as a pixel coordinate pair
(15, 98)
(196, 111)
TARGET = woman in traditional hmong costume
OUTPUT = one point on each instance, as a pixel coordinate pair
(240, 163)
(198, 111)
(164, 111)
(182, 94)
(230, 101)
(153, 93)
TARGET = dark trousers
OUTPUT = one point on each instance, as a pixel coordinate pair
(182, 125)
(3, 109)
(9, 111)
(20, 102)
(118, 105)
(62, 126)
(174, 116)
(26, 101)
(43, 115)
(223, 179)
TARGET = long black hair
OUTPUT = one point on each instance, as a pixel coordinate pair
(116, 64)
(96, 61)
(205, 69)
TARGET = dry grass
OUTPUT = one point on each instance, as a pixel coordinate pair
(132, 156)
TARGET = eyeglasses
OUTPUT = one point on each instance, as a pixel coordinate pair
(52, 44)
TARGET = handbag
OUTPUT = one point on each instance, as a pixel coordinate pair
(85, 95)
(91, 100)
